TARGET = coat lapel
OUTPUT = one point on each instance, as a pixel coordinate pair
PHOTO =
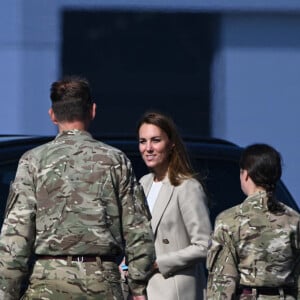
(161, 203)
(147, 182)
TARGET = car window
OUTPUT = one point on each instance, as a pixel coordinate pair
(7, 174)
(139, 166)
(221, 179)
(219, 174)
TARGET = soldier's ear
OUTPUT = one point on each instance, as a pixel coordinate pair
(52, 116)
(94, 108)
(247, 177)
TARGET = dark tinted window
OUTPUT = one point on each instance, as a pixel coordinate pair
(221, 178)
(139, 166)
(218, 170)
(7, 174)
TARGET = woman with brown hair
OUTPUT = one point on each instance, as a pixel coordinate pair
(180, 218)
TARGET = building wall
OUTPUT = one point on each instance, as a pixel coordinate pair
(29, 59)
(257, 82)
(10, 59)
(255, 73)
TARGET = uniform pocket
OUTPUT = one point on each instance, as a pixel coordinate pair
(11, 200)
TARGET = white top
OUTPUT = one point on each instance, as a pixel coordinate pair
(153, 193)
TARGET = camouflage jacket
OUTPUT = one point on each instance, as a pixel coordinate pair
(253, 247)
(79, 196)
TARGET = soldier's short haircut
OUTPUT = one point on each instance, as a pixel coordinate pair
(71, 99)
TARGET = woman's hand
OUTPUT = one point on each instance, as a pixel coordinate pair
(155, 266)
(123, 269)
(141, 297)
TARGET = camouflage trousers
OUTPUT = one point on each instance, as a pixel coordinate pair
(60, 280)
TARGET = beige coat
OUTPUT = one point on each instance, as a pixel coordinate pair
(181, 227)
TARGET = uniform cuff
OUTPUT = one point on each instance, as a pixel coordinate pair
(137, 287)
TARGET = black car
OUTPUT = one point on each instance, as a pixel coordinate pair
(215, 161)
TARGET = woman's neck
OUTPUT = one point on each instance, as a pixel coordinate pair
(159, 176)
(255, 190)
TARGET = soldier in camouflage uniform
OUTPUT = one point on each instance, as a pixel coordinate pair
(76, 206)
(255, 247)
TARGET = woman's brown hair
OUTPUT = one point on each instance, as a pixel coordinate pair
(263, 164)
(180, 167)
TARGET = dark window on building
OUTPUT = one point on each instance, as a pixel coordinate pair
(138, 61)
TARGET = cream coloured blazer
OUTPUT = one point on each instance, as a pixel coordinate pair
(181, 227)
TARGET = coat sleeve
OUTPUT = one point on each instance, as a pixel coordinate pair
(192, 205)
(222, 262)
(17, 234)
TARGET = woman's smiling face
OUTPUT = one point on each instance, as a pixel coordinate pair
(155, 148)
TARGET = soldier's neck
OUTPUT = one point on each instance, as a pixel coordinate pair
(65, 126)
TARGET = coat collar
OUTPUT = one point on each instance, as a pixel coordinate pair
(162, 200)
(71, 133)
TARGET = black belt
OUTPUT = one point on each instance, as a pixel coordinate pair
(265, 290)
(80, 258)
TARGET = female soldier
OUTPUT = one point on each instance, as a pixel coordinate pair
(255, 249)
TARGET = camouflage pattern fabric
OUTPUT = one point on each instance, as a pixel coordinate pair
(55, 279)
(251, 246)
(74, 196)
